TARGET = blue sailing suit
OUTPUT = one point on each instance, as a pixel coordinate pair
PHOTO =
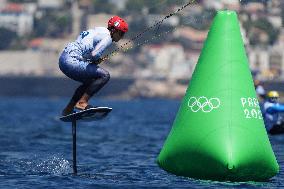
(272, 118)
(77, 61)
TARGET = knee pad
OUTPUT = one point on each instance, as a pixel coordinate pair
(106, 77)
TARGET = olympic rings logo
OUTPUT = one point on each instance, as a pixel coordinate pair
(204, 104)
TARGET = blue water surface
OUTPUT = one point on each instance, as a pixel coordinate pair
(117, 152)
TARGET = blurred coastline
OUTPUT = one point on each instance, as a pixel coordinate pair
(159, 64)
(117, 88)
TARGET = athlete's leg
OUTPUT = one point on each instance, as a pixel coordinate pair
(101, 77)
(76, 97)
(92, 76)
(83, 102)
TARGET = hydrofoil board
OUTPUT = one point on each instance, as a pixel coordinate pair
(91, 114)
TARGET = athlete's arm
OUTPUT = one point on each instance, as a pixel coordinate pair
(99, 49)
(276, 109)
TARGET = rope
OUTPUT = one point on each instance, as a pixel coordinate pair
(114, 52)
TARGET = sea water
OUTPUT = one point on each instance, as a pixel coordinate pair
(117, 152)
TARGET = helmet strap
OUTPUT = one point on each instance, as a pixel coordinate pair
(112, 30)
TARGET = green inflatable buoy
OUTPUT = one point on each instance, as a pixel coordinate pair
(218, 133)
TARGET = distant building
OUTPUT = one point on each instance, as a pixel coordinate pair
(213, 4)
(221, 4)
(276, 21)
(259, 61)
(48, 44)
(27, 63)
(76, 18)
(119, 4)
(276, 66)
(167, 61)
(231, 4)
(51, 4)
(192, 38)
(84, 3)
(13, 16)
(244, 35)
(3, 3)
(194, 9)
(98, 20)
(274, 7)
(269, 62)
(254, 7)
(153, 18)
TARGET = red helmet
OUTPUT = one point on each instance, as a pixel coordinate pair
(118, 23)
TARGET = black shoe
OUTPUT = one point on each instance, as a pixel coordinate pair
(89, 107)
(65, 113)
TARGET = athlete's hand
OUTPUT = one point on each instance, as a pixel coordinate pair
(100, 60)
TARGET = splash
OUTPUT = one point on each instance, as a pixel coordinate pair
(52, 165)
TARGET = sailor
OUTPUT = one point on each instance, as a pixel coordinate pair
(79, 61)
(272, 118)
